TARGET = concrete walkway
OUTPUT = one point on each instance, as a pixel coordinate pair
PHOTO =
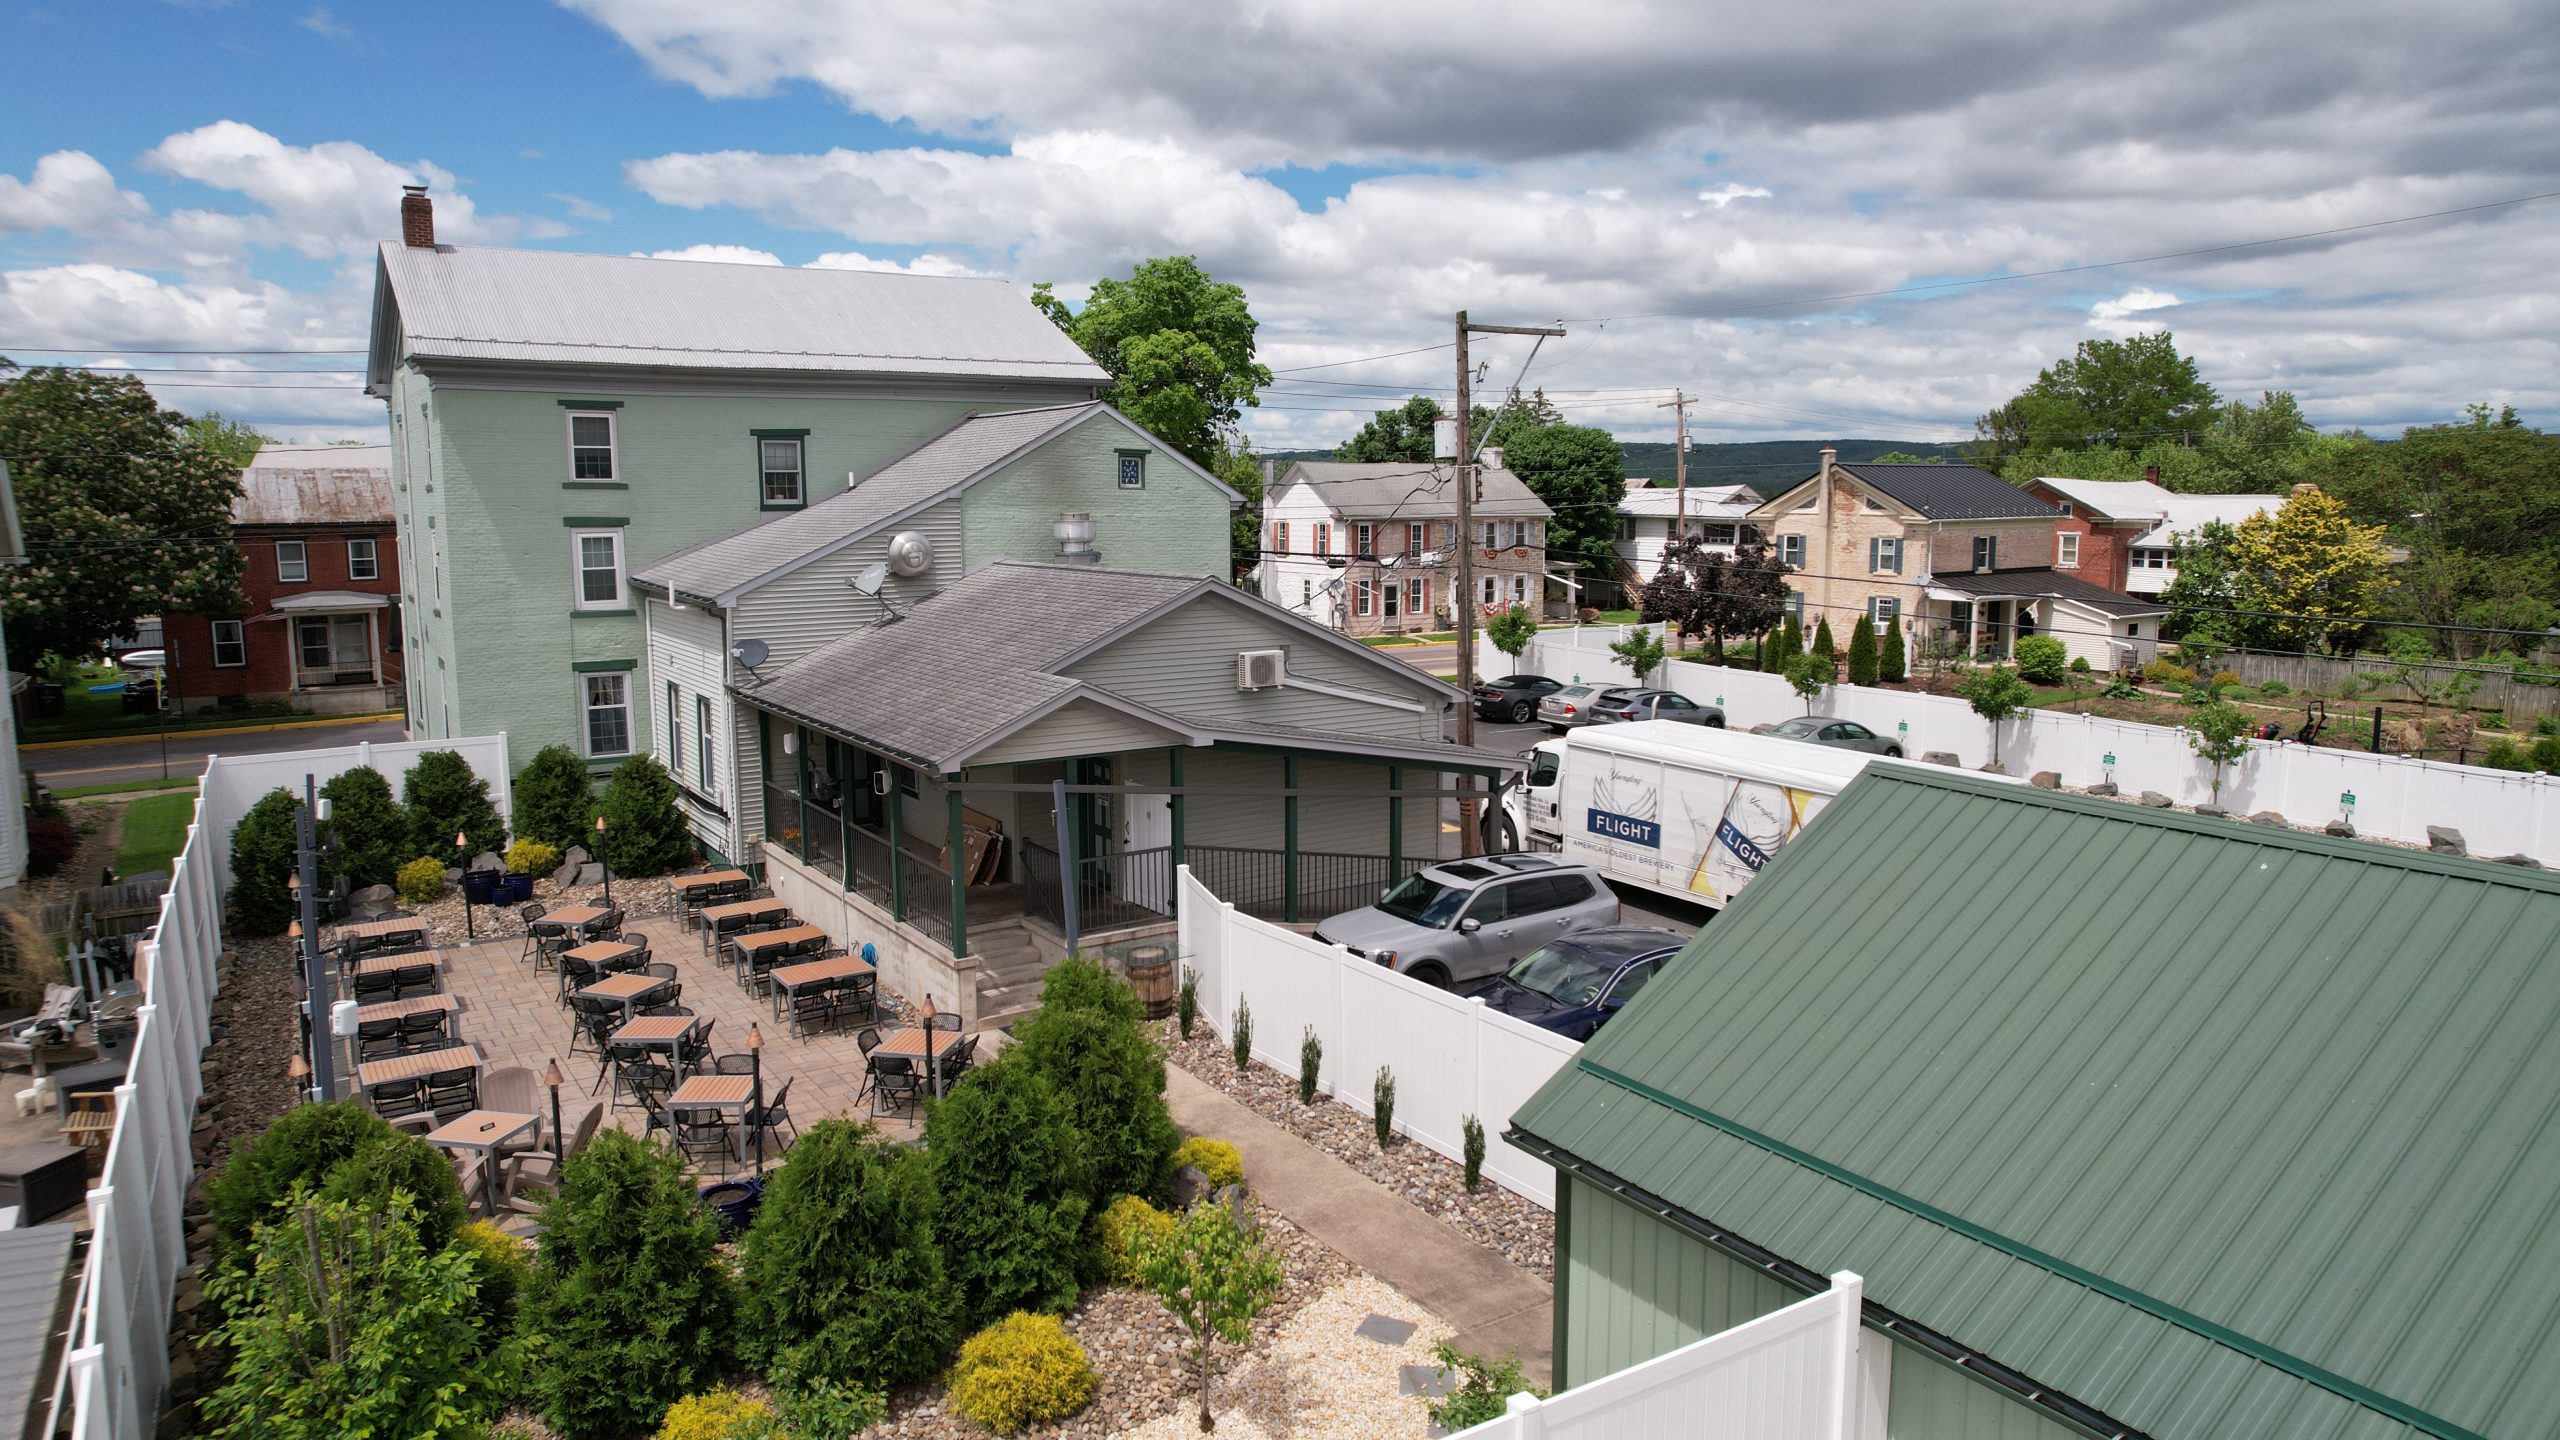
(1492, 1304)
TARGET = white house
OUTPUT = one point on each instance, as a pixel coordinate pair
(1369, 549)
(2124, 534)
(1647, 512)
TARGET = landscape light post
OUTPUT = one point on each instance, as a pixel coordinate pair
(552, 1077)
(604, 864)
(462, 858)
(755, 1087)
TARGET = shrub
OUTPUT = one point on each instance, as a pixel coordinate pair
(2226, 680)
(421, 881)
(532, 857)
(1242, 1040)
(51, 842)
(1862, 653)
(301, 1149)
(446, 797)
(715, 1414)
(1809, 673)
(814, 1408)
(1128, 1222)
(1111, 1076)
(1077, 983)
(2079, 664)
(629, 1308)
(2042, 660)
(2548, 727)
(555, 798)
(1995, 693)
(1013, 1187)
(400, 1163)
(2546, 754)
(843, 1279)
(372, 829)
(262, 855)
(1213, 1276)
(349, 1324)
(1221, 1162)
(1382, 1096)
(501, 1265)
(1474, 1130)
(2274, 688)
(1310, 1066)
(2219, 734)
(2120, 688)
(1484, 1387)
(1891, 662)
(1020, 1371)
(2504, 754)
(1186, 1002)
(644, 832)
(1822, 645)
(2168, 674)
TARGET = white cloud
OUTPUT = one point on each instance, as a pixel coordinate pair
(320, 23)
(331, 199)
(582, 208)
(70, 190)
(2132, 302)
(921, 265)
(1726, 194)
(719, 254)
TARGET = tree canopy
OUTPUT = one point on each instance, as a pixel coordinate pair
(231, 439)
(1179, 346)
(1579, 472)
(126, 512)
(2108, 393)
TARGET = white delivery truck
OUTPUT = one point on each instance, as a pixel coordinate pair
(1684, 809)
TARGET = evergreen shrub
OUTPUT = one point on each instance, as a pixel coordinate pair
(842, 1276)
(372, 829)
(302, 1149)
(262, 856)
(446, 797)
(421, 881)
(1127, 1223)
(1111, 1076)
(2042, 660)
(1221, 1162)
(645, 834)
(555, 798)
(1013, 1188)
(1022, 1370)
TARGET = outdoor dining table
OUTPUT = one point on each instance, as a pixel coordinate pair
(575, 917)
(751, 945)
(377, 934)
(438, 1003)
(741, 912)
(601, 953)
(417, 1065)
(909, 1040)
(655, 1032)
(689, 886)
(483, 1131)
(398, 961)
(788, 978)
(623, 990)
(717, 1092)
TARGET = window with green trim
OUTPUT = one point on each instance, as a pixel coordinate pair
(781, 467)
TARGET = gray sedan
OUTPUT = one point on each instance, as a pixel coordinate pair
(1828, 730)
(1658, 705)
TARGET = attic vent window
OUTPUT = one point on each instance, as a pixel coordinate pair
(1133, 469)
(1261, 669)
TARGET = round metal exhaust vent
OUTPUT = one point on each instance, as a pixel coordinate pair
(910, 553)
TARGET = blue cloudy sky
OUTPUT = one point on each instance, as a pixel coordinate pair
(214, 176)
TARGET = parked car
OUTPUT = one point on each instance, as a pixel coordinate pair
(142, 660)
(1466, 920)
(1513, 697)
(1658, 705)
(1573, 985)
(1573, 705)
(1830, 730)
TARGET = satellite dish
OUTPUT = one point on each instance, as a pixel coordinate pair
(871, 579)
(750, 653)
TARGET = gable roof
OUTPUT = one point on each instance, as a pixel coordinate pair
(1953, 492)
(719, 570)
(1706, 502)
(316, 485)
(552, 307)
(2281, 1166)
(2174, 514)
(2188, 514)
(901, 687)
(1408, 489)
(2044, 580)
(2110, 499)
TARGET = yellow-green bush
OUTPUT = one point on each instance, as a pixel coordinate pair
(503, 1265)
(1120, 1225)
(2226, 680)
(1221, 1162)
(421, 881)
(532, 857)
(1019, 1371)
(721, 1414)
(2169, 673)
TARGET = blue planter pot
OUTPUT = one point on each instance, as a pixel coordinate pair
(736, 1202)
(480, 887)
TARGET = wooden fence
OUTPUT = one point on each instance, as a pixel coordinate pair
(2523, 701)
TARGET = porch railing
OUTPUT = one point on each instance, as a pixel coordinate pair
(928, 896)
(1257, 881)
(1128, 887)
(867, 868)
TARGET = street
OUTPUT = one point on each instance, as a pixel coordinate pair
(133, 761)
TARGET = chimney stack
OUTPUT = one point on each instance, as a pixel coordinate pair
(2151, 473)
(1830, 457)
(1492, 456)
(417, 218)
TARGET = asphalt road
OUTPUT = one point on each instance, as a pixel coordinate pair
(120, 762)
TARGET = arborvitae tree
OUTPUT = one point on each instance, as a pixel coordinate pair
(1822, 645)
(372, 829)
(1862, 653)
(446, 797)
(555, 798)
(1014, 1187)
(843, 1279)
(1891, 663)
(644, 832)
(1109, 1072)
(262, 855)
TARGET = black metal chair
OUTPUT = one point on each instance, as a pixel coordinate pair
(813, 1007)
(423, 1032)
(393, 1099)
(775, 1111)
(944, 1020)
(378, 1039)
(628, 962)
(411, 981)
(575, 975)
(699, 1129)
(637, 1071)
(535, 932)
(593, 1021)
(893, 1082)
(659, 970)
(854, 995)
(957, 1063)
(695, 1047)
(451, 1092)
(734, 1063)
(717, 935)
(378, 985)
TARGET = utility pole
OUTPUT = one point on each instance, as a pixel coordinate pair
(1468, 481)
(316, 990)
(1678, 405)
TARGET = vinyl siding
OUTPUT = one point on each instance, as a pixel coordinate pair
(1344, 825)
(1185, 664)
(686, 650)
(1176, 524)
(1632, 1288)
(1079, 727)
(816, 603)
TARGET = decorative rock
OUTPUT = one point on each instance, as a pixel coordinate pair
(374, 895)
(2103, 787)
(2339, 828)
(575, 855)
(1240, 1204)
(567, 875)
(1995, 768)
(2214, 810)
(487, 860)
(2046, 779)
(453, 874)
(2155, 800)
(2271, 818)
(2445, 840)
(1190, 1187)
(1940, 757)
(2526, 861)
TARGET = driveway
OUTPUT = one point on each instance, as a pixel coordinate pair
(124, 761)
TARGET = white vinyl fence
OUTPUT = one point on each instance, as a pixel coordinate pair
(233, 783)
(2499, 812)
(1451, 1058)
(1807, 1372)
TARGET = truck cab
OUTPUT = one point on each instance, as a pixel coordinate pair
(1535, 803)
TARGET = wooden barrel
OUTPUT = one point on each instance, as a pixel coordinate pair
(1151, 973)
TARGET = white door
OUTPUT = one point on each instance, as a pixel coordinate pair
(1149, 828)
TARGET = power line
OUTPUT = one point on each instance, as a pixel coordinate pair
(5, 348)
(1365, 359)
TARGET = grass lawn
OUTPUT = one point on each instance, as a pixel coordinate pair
(1381, 642)
(155, 826)
(124, 787)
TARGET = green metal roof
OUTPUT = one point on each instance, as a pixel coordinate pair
(2220, 1129)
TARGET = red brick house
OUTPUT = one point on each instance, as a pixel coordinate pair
(322, 628)
(2123, 535)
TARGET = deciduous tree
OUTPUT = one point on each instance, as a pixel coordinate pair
(2108, 393)
(1511, 631)
(1213, 1276)
(2309, 570)
(1995, 692)
(1580, 472)
(1180, 348)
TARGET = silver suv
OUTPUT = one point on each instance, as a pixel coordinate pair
(1464, 920)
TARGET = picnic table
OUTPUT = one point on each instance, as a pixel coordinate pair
(482, 1132)
(623, 990)
(417, 1065)
(716, 1092)
(789, 978)
(377, 934)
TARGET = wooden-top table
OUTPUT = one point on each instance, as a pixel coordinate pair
(787, 978)
(624, 989)
(910, 1041)
(747, 910)
(383, 932)
(763, 940)
(707, 880)
(483, 1131)
(575, 917)
(403, 960)
(438, 1003)
(597, 952)
(716, 1092)
(417, 1065)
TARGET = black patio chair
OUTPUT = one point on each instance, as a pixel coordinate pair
(593, 1021)
(659, 970)
(411, 981)
(531, 914)
(734, 1063)
(637, 1072)
(775, 1111)
(393, 1099)
(628, 962)
(813, 1007)
(717, 935)
(378, 1039)
(695, 1048)
(422, 1032)
(957, 1063)
(944, 1020)
(659, 1121)
(854, 995)
(575, 975)
(893, 1083)
(451, 1092)
(374, 986)
(699, 1129)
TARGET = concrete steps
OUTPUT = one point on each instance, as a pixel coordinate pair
(1011, 962)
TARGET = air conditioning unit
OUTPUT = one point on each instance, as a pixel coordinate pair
(1261, 669)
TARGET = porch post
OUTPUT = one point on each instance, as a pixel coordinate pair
(955, 839)
(897, 843)
(1395, 824)
(840, 758)
(1173, 768)
(1289, 840)
(801, 759)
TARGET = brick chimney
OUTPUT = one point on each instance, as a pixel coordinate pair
(417, 218)
(2151, 473)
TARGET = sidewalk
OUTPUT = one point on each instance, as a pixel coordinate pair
(1492, 1304)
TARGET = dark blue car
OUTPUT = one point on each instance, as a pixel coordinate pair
(1574, 984)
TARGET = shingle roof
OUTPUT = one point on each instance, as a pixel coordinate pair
(2274, 1157)
(979, 660)
(717, 569)
(316, 485)
(468, 303)
(1952, 492)
(2043, 581)
(1706, 502)
(1399, 490)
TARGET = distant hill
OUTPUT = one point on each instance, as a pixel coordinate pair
(1767, 466)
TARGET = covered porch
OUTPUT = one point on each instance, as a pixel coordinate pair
(335, 640)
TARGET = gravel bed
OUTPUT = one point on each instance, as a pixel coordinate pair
(1315, 1379)
(256, 1043)
(1428, 1181)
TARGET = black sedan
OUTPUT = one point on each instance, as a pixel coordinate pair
(1574, 984)
(1513, 697)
